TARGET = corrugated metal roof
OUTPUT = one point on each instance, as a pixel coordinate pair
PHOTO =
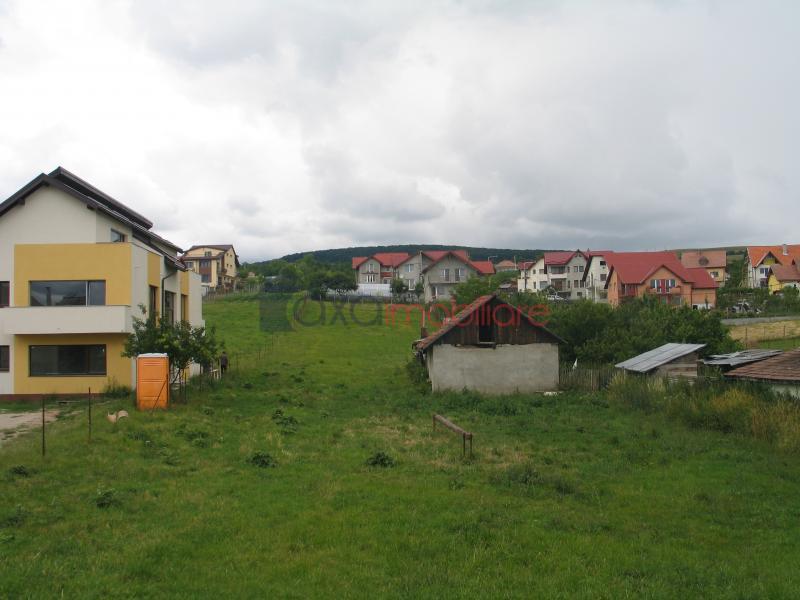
(785, 367)
(742, 357)
(659, 356)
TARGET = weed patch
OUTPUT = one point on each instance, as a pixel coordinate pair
(107, 498)
(19, 471)
(380, 459)
(262, 460)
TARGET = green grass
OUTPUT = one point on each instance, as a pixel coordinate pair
(784, 344)
(565, 496)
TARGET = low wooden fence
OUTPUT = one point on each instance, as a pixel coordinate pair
(588, 379)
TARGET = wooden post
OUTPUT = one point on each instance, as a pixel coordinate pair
(43, 442)
(90, 415)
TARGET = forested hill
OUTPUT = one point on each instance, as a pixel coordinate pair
(337, 255)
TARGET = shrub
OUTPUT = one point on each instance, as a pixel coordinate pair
(380, 459)
(19, 471)
(262, 460)
(106, 498)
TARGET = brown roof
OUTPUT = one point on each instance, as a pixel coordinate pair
(706, 259)
(756, 254)
(506, 263)
(786, 272)
(465, 313)
(784, 367)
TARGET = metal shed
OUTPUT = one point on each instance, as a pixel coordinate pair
(669, 360)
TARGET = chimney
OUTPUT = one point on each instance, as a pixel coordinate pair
(785, 250)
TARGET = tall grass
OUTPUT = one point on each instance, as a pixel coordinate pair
(738, 408)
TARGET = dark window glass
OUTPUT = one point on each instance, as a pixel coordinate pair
(169, 307)
(151, 314)
(205, 278)
(97, 293)
(4, 358)
(4, 293)
(67, 360)
(68, 293)
(117, 236)
(58, 293)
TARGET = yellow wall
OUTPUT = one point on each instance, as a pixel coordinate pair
(773, 284)
(184, 282)
(154, 277)
(117, 367)
(52, 262)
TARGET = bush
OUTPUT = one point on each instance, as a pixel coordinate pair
(262, 460)
(380, 459)
(106, 498)
(19, 471)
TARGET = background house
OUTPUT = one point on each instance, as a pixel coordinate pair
(782, 276)
(661, 275)
(505, 265)
(73, 280)
(491, 347)
(669, 360)
(216, 264)
(715, 262)
(557, 272)
(759, 259)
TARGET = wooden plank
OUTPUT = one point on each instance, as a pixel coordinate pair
(451, 426)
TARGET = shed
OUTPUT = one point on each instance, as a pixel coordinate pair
(669, 360)
(781, 373)
(492, 347)
(732, 360)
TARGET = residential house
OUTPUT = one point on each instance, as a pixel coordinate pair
(217, 264)
(378, 268)
(659, 274)
(783, 276)
(438, 270)
(596, 274)
(781, 373)
(491, 347)
(76, 266)
(759, 259)
(556, 272)
(715, 262)
(505, 265)
(670, 360)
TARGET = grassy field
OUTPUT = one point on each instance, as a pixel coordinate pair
(565, 496)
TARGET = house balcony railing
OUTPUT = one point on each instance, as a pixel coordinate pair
(40, 320)
(673, 291)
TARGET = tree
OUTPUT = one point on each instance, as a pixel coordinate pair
(181, 342)
(398, 287)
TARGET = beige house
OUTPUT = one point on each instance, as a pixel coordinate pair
(715, 262)
(71, 282)
(216, 264)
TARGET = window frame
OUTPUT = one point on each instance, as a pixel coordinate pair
(86, 291)
(5, 294)
(121, 237)
(5, 363)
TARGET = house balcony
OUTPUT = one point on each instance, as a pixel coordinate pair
(39, 320)
(673, 291)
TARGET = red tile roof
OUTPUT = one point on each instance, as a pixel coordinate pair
(786, 272)
(359, 260)
(391, 259)
(526, 264)
(484, 267)
(636, 267)
(784, 367)
(559, 258)
(437, 255)
(706, 259)
(756, 254)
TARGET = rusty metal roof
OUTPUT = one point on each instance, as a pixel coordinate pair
(657, 357)
(784, 367)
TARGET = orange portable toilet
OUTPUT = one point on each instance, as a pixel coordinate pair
(152, 381)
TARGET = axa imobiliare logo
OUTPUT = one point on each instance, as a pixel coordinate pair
(287, 312)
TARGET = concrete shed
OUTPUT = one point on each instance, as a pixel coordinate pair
(491, 347)
(669, 360)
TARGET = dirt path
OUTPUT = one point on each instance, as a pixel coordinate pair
(13, 424)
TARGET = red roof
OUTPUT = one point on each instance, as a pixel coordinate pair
(636, 267)
(359, 260)
(526, 264)
(706, 259)
(391, 259)
(437, 255)
(786, 272)
(559, 258)
(756, 254)
(484, 267)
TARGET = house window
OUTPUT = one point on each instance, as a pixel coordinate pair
(602, 263)
(410, 268)
(542, 285)
(446, 274)
(169, 306)
(459, 274)
(117, 236)
(184, 308)
(370, 278)
(370, 267)
(152, 307)
(558, 270)
(205, 278)
(67, 293)
(662, 285)
(207, 253)
(603, 276)
(566, 269)
(5, 295)
(576, 284)
(715, 274)
(49, 361)
(5, 358)
(579, 268)
(204, 264)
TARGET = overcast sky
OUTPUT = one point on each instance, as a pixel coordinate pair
(298, 125)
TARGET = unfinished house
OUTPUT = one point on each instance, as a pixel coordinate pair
(669, 360)
(491, 347)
